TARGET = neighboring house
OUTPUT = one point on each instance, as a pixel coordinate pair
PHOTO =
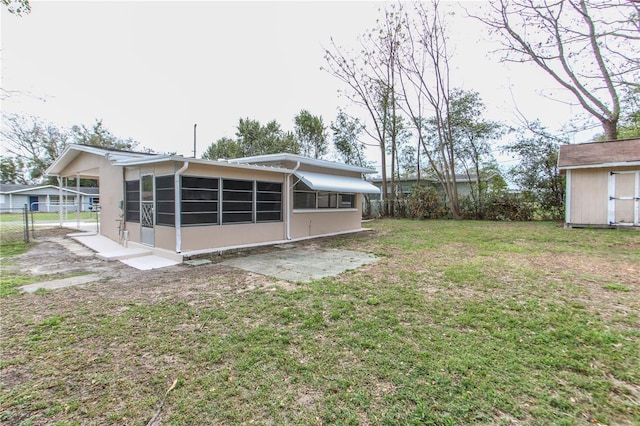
(603, 183)
(187, 206)
(406, 185)
(47, 198)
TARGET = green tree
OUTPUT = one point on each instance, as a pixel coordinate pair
(629, 126)
(346, 140)
(223, 148)
(11, 170)
(33, 144)
(99, 136)
(537, 174)
(311, 134)
(252, 138)
(473, 136)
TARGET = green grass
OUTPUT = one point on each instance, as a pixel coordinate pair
(44, 216)
(457, 323)
(10, 248)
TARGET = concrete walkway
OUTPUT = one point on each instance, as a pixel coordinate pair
(65, 282)
(143, 259)
(301, 264)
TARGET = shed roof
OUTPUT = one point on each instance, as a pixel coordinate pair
(618, 153)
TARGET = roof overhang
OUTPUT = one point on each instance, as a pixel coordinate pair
(74, 150)
(601, 165)
(326, 182)
(181, 159)
(295, 158)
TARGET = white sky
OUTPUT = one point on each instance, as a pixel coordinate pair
(151, 70)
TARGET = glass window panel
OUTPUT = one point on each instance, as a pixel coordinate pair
(304, 200)
(347, 201)
(327, 200)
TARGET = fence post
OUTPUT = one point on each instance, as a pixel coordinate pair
(33, 226)
(26, 223)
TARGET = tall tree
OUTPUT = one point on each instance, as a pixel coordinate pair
(589, 47)
(311, 134)
(371, 77)
(474, 136)
(346, 140)
(537, 174)
(425, 83)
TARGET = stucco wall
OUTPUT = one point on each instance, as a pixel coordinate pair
(217, 236)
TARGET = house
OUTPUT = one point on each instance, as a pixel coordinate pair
(186, 206)
(406, 184)
(603, 183)
(47, 198)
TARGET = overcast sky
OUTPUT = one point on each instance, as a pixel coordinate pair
(151, 70)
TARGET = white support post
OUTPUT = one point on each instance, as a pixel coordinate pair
(60, 200)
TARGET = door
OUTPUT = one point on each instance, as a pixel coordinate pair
(624, 198)
(33, 203)
(147, 207)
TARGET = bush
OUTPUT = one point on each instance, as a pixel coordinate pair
(425, 203)
(505, 206)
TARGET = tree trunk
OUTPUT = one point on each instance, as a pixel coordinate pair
(610, 130)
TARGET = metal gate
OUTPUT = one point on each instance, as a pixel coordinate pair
(624, 198)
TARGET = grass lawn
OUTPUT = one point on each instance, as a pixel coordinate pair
(457, 323)
(44, 216)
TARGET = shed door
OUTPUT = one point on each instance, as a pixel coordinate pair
(624, 198)
(147, 207)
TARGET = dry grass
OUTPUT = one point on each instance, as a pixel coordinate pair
(457, 323)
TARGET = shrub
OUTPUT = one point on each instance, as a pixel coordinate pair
(505, 206)
(425, 203)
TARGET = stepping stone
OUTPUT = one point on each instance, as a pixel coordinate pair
(62, 283)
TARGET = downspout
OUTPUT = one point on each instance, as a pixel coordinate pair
(289, 189)
(178, 205)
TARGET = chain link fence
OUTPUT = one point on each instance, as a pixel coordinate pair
(14, 224)
(27, 223)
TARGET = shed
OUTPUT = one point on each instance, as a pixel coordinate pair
(186, 206)
(602, 183)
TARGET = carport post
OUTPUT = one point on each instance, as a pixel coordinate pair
(60, 200)
(78, 200)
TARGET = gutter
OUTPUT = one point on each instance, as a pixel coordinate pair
(178, 205)
(289, 195)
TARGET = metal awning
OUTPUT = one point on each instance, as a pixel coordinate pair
(326, 182)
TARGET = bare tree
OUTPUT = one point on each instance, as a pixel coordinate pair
(589, 47)
(425, 84)
(371, 76)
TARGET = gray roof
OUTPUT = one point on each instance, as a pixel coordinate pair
(600, 154)
(16, 188)
(284, 156)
